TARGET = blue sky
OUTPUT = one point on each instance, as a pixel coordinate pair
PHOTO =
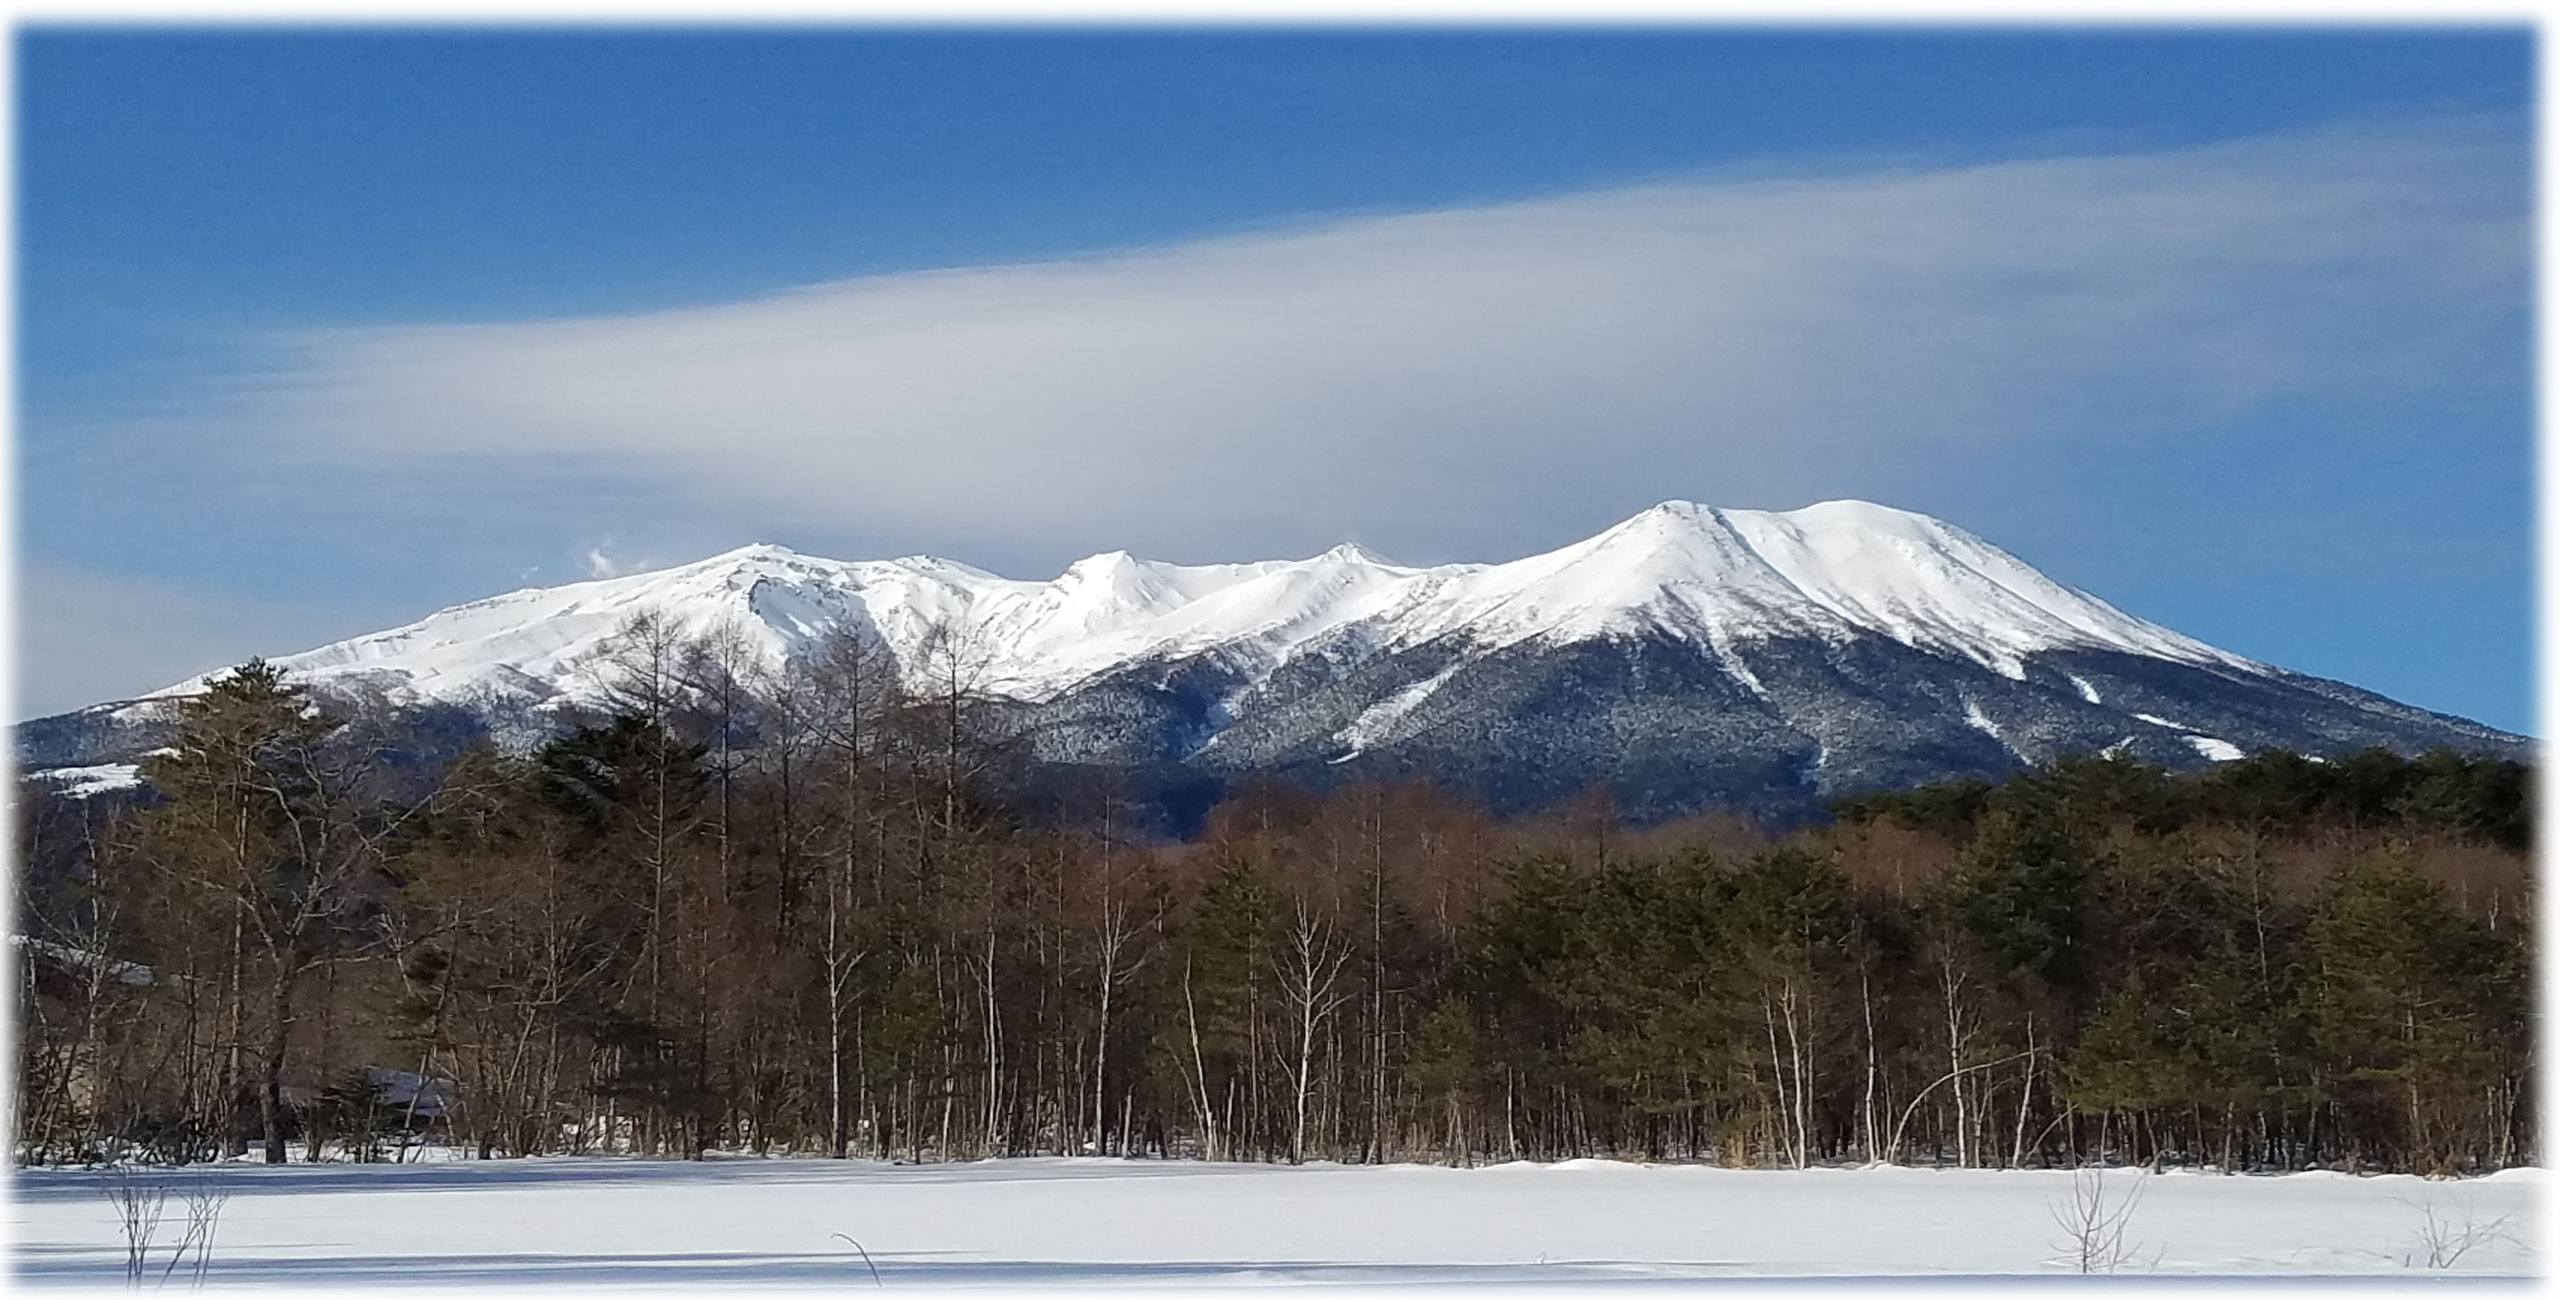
(321, 331)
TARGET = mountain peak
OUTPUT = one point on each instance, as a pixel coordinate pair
(1668, 519)
(1676, 509)
(1355, 553)
(1104, 562)
(751, 553)
(1676, 541)
(1851, 515)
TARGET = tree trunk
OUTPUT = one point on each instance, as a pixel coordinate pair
(1867, 1102)
(271, 1064)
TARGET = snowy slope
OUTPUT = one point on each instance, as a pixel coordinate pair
(1688, 657)
(1835, 571)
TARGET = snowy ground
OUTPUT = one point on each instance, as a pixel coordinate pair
(620, 1223)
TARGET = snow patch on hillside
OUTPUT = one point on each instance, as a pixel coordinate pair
(1975, 718)
(2215, 748)
(82, 782)
(1373, 723)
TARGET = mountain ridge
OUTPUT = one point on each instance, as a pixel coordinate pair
(1844, 641)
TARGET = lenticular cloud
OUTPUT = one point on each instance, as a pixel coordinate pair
(1732, 329)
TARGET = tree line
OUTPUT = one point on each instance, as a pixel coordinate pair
(794, 911)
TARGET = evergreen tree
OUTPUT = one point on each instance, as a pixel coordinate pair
(263, 825)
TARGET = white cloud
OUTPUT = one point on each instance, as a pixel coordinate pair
(1734, 339)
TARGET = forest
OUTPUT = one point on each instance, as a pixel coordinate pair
(798, 912)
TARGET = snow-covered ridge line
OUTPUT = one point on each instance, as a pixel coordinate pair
(1834, 571)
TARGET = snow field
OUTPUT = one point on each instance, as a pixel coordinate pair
(733, 1222)
(1835, 570)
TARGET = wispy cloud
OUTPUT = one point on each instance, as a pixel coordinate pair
(1735, 338)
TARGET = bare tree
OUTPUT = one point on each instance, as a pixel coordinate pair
(2444, 1236)
(855, 688)
(1116, 928)
(1199, 1081)
(948, 682)
(140, 1197)
(140, 1201)
(718, 672)
(205, 1199)
(1313, 956)
(1893, 1144)
(2094, 1220)
(642, 672)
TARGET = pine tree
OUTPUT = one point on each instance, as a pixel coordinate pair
(263, 822)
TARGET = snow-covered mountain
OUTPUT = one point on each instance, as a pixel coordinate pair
(1689, 656)
(1834, 572)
